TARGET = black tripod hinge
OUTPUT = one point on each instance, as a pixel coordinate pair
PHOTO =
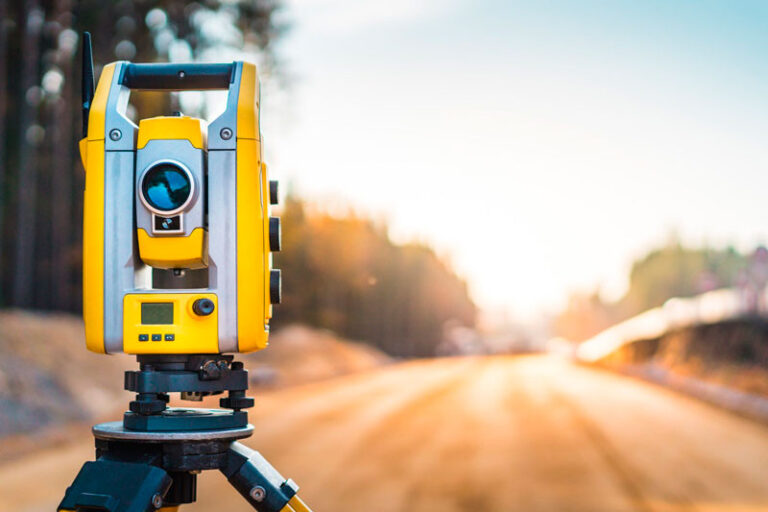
(111, 486)
(255, 478)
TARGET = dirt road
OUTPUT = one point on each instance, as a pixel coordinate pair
(505, 433)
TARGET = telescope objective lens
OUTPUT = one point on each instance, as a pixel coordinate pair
(166, 187)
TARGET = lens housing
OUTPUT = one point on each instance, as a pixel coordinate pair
(167, 187)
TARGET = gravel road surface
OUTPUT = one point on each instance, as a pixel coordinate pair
(532, 433)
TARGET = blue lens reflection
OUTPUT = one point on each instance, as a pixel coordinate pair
(166, 187)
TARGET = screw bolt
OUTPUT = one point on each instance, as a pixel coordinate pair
(226, 133)
(258, 493)
(210, 371)
(157, 501)
(115, 134)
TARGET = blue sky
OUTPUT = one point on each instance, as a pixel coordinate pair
(540, 146)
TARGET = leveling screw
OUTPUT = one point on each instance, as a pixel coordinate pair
(258, 493)
(115, 134)
(226, 133)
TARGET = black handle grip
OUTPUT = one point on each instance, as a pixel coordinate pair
(177, 77)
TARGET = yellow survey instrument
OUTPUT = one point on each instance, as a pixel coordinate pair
(177, 269)
(177, 212)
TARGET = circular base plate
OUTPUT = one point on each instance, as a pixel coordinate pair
(178, 419)
(115, 430)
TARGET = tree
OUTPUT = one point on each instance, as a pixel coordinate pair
(672, 270)
(26, 189)
(678, 271)
(344, 274)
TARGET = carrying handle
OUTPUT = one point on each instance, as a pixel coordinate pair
(177, 77)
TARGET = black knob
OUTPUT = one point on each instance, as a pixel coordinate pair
(275, 234)
(275, 286)
(273, 199)
(209, 370)
(203, 307)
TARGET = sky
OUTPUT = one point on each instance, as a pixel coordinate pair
(539, 146)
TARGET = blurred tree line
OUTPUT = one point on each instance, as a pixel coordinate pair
(672, 270)
(41, 177)
(345, 274)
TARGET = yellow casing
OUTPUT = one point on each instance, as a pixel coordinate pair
(193, 334)
(92, 154)
(173, 251)
(252, 217)
(171, 128)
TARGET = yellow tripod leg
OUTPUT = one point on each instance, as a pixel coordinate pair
(296, 505)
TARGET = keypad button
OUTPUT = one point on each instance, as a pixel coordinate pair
(157, 337)
(143, 337)
(170, 337)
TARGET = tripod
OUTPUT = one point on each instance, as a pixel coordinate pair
(151, 459)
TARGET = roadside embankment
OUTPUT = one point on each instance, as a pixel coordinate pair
(725, 363)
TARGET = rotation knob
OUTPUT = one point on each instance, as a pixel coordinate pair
(203, 307)
(275, 234)
(275, 286)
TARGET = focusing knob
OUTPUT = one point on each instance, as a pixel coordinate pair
(275, 286)
(203, 307)
(274, 234)
(273, 199)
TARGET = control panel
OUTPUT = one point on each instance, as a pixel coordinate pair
(170, 323)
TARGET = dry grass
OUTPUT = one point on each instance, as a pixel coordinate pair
(731, 354)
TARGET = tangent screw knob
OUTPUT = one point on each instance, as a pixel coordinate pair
(210, 371)
(203, 307)
(275, 234)
(273, 186)
(258, 493)
(275, 286)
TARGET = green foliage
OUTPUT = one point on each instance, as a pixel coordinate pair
(677, 271)
(346, 275)
(669, 271)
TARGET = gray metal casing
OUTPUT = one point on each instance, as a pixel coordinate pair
(124, 272)
(180, 152)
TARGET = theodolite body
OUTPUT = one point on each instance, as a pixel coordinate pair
(177, 252)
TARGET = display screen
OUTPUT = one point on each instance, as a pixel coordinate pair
(157, 313)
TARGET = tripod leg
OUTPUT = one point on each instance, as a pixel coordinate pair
(297, 505)
(111, 486)
(260, 483)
